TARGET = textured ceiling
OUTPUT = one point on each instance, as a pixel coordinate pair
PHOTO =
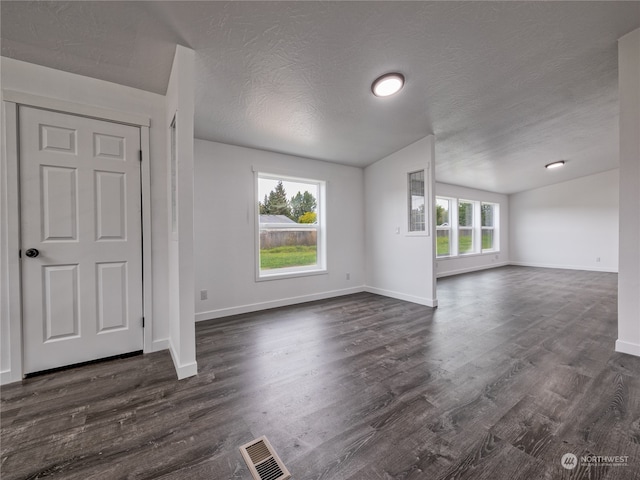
(506, 87)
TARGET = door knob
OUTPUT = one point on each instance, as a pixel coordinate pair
(32, 253)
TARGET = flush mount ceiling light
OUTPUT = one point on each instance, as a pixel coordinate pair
(557, 164)
(387, 84)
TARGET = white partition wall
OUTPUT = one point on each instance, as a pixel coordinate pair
(400, 263)
(179, 126)
(629, 274)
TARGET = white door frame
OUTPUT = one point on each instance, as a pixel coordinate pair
(11, 101)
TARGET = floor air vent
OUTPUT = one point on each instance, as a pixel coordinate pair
(262, 460)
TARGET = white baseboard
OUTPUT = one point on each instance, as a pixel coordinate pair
(429, 302)
(5, 377)
(470, 269)
(563, 267)
(182, 370)
(158, 345)
(283, 302)
(8, 376)
(626, 347)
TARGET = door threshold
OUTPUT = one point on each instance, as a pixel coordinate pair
(82, 364)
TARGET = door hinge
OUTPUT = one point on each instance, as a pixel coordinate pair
(142, 322)
(140, 154)
(20, 253)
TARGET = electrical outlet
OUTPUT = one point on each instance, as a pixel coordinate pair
(348, 276)
(203, 294)
(597, 259)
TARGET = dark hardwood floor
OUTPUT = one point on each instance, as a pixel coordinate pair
(514, 369)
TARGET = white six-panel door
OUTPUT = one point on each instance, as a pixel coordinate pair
(81, 239)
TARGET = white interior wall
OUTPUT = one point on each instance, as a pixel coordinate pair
(180, 104)
(399, 264)
(567, 225)
(6, 335)
(470, 263)
(225, 230)
(629, 276)
(54, 84)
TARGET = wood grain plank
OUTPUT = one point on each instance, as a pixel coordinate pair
(513, 369)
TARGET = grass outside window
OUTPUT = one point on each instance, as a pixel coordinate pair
(288, 256)
(443, 247)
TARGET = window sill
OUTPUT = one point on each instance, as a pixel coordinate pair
(469, 255)
(263, 277)
(417, 234)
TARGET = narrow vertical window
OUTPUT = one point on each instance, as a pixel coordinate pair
(443, 227)
(465, 227)
(489, 213)
(174, 179)
(417, 206)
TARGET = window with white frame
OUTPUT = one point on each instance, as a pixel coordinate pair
(489, 220)
(417, 203)
(290, 225)
(466, 224)
(174, 181)
(474, 230)
(443, 227)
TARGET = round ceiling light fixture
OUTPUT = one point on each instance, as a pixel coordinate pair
(387, 84)
(557, 164)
